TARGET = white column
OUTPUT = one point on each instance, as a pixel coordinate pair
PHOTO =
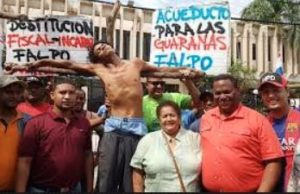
(26, 7)
(42, 7)
(265, 42)
(244, 46)
(295, 61)
(17, 6)
(66, 7)
(289, 65)
(234, 41)
(121, 31)
(260, 53)
(274, 48)
(249, 45)
(50, 6)
(100, 23)
(133, 35)
(141, 34)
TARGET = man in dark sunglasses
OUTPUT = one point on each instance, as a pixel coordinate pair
(156, 95)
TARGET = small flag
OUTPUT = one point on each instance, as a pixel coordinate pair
(279, 66)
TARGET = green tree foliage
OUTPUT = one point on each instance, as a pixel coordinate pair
(287, 11)
(259, 10)
(247, 82)
(245, 75)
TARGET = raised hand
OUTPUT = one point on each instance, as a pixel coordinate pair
(10, 68)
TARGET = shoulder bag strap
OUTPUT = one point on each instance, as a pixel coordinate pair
(175, 164)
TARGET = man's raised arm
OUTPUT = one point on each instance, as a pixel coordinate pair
(168, 72)
(64, 64)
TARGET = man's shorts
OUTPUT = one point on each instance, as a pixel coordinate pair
(125, 125)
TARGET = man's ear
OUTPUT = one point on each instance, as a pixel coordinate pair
(52, 95)
(288, 92)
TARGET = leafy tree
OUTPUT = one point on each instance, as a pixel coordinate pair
(278, 11)
(260, 10)
(246, 76)
(247, 81)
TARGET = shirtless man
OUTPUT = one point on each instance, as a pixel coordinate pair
(125, 126)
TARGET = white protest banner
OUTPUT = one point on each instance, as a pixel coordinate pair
(197, 36)
(1, 49)
(52, 37)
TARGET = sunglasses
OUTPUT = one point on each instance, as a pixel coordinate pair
(162, 83)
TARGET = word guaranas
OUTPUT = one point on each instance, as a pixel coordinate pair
(200, 42)
(193, 13)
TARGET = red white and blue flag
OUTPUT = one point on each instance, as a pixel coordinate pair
(279, 66)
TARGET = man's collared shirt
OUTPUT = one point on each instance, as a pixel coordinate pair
(9, 144)
(58, 149)
(235, 148)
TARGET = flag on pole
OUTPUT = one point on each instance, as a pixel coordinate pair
(279, 66)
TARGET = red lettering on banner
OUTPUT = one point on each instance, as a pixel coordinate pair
(200, 42)
(75, 41)
(31, 40)
(221, 42)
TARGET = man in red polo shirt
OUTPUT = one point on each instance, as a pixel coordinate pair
(55, 150)
(241, 152)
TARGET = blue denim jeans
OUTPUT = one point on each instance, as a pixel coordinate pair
(135, 126)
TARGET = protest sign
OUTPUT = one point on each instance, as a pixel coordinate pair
(1, 50)
(53, 37)
(197, 36)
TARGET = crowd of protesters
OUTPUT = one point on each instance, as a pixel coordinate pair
(159, 142)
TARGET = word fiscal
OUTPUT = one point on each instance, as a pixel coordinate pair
(28, 55)
(38, 40)
(200, 42)
(52, 25)
(182, 59)
(193, 13)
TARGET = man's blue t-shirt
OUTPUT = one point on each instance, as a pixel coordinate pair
(187, 118)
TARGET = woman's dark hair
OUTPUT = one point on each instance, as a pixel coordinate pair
(168, 103)
(92, 56)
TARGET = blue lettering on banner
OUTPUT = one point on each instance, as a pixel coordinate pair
(204, 63)
(192, 13)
